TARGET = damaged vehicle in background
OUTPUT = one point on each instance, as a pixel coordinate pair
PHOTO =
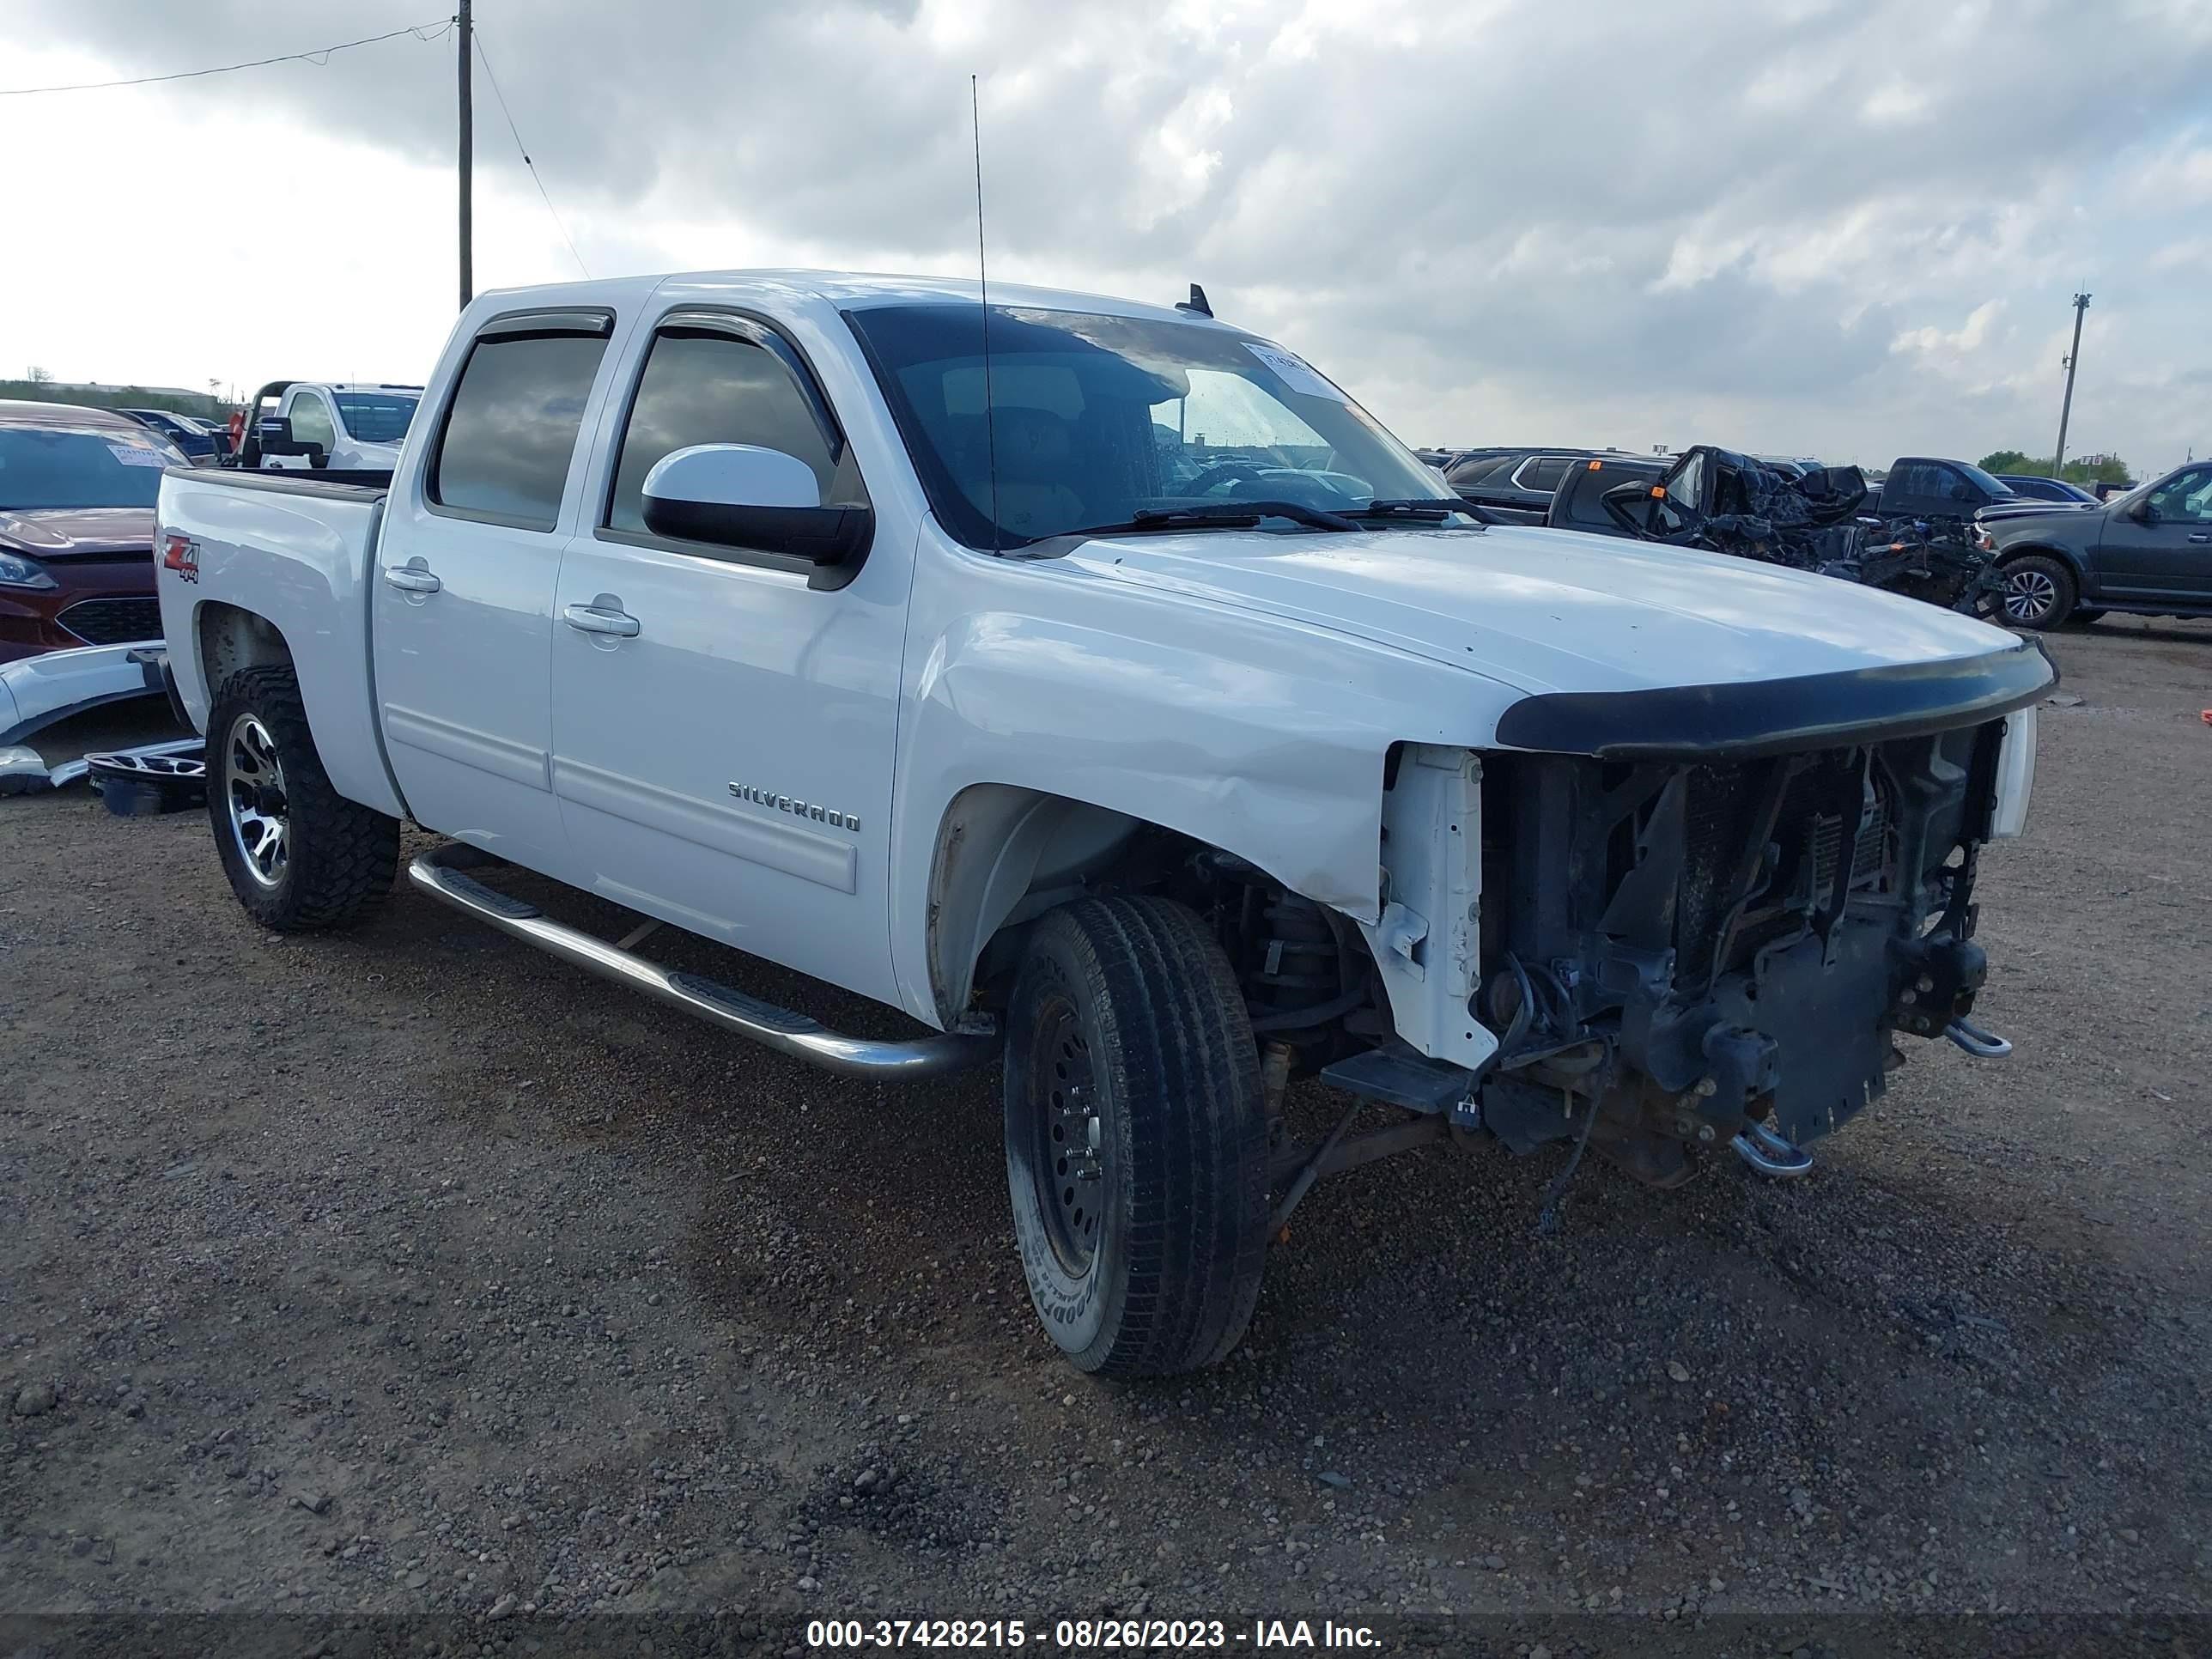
(1101, 686)
(1728, 502)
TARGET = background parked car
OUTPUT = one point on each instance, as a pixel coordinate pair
(2148, 553)
(201, 446)
(1519, 480)
(2046, 490)
(1578, 503)
(76, 527)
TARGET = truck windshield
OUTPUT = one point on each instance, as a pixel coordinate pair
(1983, 482)
(1085, 419)
(80, 468)
(376, 418)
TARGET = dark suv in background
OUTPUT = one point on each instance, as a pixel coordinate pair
(2148, 553)
(1520, 480)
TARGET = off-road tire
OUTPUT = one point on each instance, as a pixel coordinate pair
(2050, 576)
(341, 855)
(1166, 1277)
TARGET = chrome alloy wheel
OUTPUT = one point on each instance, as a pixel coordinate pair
(2029, 595)
(253, 786)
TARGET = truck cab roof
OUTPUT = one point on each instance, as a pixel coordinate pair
(846, 291)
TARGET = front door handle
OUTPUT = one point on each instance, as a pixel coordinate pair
(2200, 535)
(596, 619)
(413, 577)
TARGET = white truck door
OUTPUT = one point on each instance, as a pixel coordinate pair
(723, 730)
(463, 595)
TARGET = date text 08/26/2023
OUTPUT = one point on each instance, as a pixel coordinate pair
(1084, 1635)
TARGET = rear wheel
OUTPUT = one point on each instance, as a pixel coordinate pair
(2038, 592)
(1136, 1138)
(300, 857)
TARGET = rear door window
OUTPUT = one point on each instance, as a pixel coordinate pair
(510, 433)
(1481, 470)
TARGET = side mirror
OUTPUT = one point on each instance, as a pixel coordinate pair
(743, 495)
(275, 437)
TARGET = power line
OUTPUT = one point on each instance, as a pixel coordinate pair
(319, 56)
(524, 151)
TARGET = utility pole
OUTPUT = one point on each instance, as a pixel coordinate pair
(2073, 357)
(462, 28)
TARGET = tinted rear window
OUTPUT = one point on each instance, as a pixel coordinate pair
(375, 417)
(1482, 469)
(512, 431)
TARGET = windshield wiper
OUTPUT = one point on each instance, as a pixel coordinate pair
(1219, 515)
(1244, 512)
(1419, 509)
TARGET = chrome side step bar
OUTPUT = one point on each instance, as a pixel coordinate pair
(440, 875)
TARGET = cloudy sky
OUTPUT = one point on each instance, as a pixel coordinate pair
(1849, 228)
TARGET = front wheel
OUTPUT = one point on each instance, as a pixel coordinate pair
(300, 857)
(1136, 1138)
(2038, 592)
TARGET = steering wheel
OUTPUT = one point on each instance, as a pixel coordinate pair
(1221, 473)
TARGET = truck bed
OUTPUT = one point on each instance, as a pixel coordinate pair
(297, 550)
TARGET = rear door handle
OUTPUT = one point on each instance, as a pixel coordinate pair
(593, 619)
(413, 577)
(2200, 535)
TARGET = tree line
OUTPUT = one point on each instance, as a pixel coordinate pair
(2093, 470)
(39, 386)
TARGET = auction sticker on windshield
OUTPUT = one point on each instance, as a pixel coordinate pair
(1295, 372)
(132, 455)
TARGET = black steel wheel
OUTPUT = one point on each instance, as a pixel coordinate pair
(1069, 1158)
(1136, 1138)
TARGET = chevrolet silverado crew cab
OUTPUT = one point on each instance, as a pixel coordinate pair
(1100, 687)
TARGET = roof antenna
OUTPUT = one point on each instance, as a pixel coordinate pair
(1196, 304)
(983, 292)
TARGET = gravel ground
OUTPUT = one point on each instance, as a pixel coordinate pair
(409, 1274)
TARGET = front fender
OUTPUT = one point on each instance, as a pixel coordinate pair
(1261, 736)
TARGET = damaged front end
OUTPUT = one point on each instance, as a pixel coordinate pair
(1726, 502)
(1689, 951)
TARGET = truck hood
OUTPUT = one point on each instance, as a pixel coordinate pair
(1554, 610)
(75, 532)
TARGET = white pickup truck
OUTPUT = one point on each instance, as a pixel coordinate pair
(1098, 684)
(339, 426)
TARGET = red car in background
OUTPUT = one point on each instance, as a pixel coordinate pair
(76, 527)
